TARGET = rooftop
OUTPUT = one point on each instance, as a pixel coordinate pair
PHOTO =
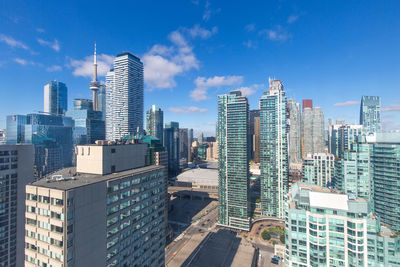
(199, 176)
(72, 179)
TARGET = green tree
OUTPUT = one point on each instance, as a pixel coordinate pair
(266, 235)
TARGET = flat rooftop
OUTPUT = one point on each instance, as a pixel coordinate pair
(72, 179)
(199, 176)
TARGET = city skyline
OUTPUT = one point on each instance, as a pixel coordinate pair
(35, 52)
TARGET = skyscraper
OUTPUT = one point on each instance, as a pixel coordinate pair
(155, 122)
(233, 164)
(183, 145)
(256, 142)
(55, 98)
(16, 171)
(294, 132)
(313, 131)
(95, 85)
(171, 143)
(253, 115)
(124, 97)
(274, 150)
(307, 103)
(318, 169)
(88, 123)
(370, 114)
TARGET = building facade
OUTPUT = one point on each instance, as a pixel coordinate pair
(313, 131)
(233, 164)
(370, 114)
(55, 98)
(88, 123)
(171, 143)
(16, 171)
(294, 132)
(327, 228)
(124, 97)
(274, 162)
(319, 169)
(254, 114)
(184, 145)
(86, 219)
(155, 122)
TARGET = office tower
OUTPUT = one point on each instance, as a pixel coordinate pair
(3, 137)
(155, 122)
(101, 101)
(328, 228)
(16, 171)
(190, 136)
(256, 143)
(201, 138)
(313, 129)
(353, 172)
(124, 97)
(273, 150)
(370, 114)
(171, 143)
(253, 115)
(318, 169)
(385, 162)
(107, 212)
(88, 123)
(55, 98)
(346, 135)
(183, 145)
(202, 151)
(307, 103)
(51, 137)
(294, 132)
(233, 164)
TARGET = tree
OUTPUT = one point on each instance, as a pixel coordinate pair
(282, 238)
(266, 235)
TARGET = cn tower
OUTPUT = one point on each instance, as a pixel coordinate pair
(95, 85)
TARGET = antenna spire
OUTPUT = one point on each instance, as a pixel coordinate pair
(95, 64)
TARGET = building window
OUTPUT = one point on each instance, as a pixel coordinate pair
(112, 150)
(112, 168)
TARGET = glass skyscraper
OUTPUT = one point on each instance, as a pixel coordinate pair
(171, 143)
(88, 123)
(233, 164)
(124, 97)
(155, 122)
(313, 131)
(273, 150)
(370, 114)
(55, 98)
(294, 132)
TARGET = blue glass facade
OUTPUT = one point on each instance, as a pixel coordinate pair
(55, 98)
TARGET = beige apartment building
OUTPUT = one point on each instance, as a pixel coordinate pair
(108, 212)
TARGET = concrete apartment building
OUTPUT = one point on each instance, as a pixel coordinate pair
(318, 169)
(16, 170)
(328, 228)
(108, 212)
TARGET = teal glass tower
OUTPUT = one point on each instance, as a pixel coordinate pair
(370, 114)
(273, 150)
(233, 164)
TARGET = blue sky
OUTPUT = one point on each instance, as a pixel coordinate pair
(330, 51)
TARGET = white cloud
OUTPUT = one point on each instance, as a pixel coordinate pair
(202, 85)
(53, 45)
(292, 18)
(347, 103)
(208, 11)
(187, 110)
(278, 34)
(41, 30)
(250, 44)
(12, 42)
(84, 67)
(250, 27)
(163, 63)
(53, 68)
(391, 108)
(198, 31)
(24, 62)
(250, 90)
